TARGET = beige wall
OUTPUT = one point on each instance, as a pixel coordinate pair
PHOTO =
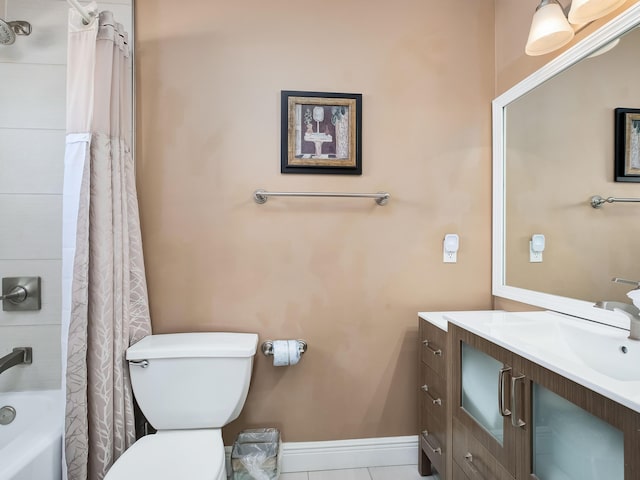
(345, 275)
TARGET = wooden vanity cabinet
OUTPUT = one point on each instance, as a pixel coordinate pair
(505, 408)
(484, 441)
(433, 401)
(571, 398)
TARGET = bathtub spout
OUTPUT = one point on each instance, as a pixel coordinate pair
(19, 356)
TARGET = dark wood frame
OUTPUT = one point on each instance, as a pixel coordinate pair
(623, 171)
(289, 163)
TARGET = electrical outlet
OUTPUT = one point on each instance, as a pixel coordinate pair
(450, 248)
(534, 257)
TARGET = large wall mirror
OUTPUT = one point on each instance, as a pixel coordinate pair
(553, 151)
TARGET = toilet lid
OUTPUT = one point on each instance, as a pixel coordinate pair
(168, 455)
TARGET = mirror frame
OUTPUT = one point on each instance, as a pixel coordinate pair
(571, 306)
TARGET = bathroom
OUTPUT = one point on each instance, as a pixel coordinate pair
(345, 275)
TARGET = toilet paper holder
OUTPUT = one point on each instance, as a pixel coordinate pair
(267, 347)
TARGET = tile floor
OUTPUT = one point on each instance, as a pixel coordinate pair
(405, 472)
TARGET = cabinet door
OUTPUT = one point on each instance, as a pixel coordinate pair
(575, 432)
(482, 377)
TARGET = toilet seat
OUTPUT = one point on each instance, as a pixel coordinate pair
(173, 454)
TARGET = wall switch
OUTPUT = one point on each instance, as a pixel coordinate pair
(536, 247)
(450, 248)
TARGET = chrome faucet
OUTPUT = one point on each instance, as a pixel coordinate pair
(630, 311)
(19, 356)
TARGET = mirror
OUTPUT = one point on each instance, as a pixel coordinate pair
(553, 151)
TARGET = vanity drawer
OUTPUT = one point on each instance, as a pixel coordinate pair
(433, 392)
(458, 474)
(433, 342)
(433, 445)
(473, 459)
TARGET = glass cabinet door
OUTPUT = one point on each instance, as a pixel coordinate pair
(479, 385)
(482, 378)
(570, 443)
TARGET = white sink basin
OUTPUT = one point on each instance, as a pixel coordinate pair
(604, 349)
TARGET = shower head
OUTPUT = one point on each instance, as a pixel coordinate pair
(9, 30)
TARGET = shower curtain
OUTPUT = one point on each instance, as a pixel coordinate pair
(105, 305)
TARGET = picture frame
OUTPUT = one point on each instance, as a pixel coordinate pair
(627, 145)
(321, 133)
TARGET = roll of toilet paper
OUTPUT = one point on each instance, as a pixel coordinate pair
(280, 353)
(294, 352)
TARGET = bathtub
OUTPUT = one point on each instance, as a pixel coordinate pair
(31, 445)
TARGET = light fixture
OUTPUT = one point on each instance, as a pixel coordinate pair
(585, 11)
(550, 28)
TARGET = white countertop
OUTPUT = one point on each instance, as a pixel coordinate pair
(436, 318)
(586, 352)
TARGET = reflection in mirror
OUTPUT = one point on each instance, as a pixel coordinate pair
(559, 150)
(553, 151)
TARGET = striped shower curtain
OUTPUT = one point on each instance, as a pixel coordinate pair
(105, 305)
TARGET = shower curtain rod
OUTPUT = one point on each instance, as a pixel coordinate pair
(84, 13)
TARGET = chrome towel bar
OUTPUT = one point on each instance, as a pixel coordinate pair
(597, 201)
(261, 196)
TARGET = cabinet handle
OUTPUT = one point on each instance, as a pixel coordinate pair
(438, 450)
(505, 412)
(435, 401)
(468, 459)
(436, 352)
(515, 419)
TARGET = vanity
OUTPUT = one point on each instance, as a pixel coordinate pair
(531, 395)
(552, 394)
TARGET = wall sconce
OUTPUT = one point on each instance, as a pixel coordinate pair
(551, 29)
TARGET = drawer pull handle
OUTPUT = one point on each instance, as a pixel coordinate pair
(516, 421)
(435, 401)
(468, 459)
(505, 412)
(438, 450)
(436, 352)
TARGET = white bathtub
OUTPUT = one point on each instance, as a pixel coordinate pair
(30, 446)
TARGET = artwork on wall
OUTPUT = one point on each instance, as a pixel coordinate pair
(321, 133)
(627, 145)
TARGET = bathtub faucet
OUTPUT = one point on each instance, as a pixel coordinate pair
(19, 356)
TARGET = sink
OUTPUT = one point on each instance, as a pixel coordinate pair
(604, 349)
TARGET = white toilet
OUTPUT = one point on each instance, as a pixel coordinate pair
(188, 385)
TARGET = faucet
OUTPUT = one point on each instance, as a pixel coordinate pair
(630, 311)
(19, 356)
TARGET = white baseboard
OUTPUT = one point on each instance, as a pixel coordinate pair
(343, 454)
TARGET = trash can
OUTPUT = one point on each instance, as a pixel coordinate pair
(256, 455)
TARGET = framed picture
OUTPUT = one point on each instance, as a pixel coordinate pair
(321, 133)
(627, 144)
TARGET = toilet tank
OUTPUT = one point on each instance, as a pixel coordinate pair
(192, 380)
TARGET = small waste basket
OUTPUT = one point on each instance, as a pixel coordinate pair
(256, 455)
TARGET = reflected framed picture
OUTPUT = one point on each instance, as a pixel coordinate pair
(627, 145)
(321, 133)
